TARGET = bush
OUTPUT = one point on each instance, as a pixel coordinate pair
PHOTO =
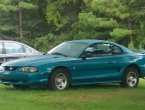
(48, 41)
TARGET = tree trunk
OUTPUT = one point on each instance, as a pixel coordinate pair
(130, 27)
(20, 20)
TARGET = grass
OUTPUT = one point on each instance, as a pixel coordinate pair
(105, 97)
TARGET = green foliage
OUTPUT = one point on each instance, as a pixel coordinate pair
(119, 33)
(25, 5)
(90, 20)
(7, 8)
(48, 41)
(33, 24)
(8, 5)
(89, 26)
(28, 41)
(5, 5)
(44, 42)
(53, 14)
(6, 27)
(61, 14)
(131, 46)
(110, 8)
(95, 23)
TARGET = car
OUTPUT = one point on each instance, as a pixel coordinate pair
(10, 50)
(76, 62)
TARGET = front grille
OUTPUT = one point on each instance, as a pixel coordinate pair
(10, 68)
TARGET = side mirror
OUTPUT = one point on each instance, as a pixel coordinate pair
(83, 57)
(86, 55)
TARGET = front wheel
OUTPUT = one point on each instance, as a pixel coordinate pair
(59, 80)
(130, 78)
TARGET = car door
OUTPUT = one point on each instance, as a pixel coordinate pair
(13, 51)
(102, 64)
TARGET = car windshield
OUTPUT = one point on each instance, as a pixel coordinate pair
(68, 49)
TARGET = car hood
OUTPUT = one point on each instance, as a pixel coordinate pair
(36, 60)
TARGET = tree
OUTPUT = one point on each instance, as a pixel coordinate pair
(136, 22)
(6, 18)
(12, 14)
(102, 20)
(61, 14)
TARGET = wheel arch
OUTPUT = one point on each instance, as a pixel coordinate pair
(134, 66)
(60, 67)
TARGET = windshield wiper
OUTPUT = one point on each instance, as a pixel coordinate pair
(57, 53)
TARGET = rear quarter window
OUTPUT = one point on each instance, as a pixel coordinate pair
(27, 49)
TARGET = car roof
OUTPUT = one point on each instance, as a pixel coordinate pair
(90, 41)
(14, 42)
(8, 41)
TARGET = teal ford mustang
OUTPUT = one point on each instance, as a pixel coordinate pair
(74, 63)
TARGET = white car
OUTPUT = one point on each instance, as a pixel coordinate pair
(10, 50)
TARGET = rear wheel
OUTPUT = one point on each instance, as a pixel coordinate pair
(59, 80)
(130, 78)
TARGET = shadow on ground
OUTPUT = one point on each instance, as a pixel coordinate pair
(98, 86)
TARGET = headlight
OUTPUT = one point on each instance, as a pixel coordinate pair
(28, 69)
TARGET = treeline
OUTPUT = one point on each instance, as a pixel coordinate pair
(45, 23)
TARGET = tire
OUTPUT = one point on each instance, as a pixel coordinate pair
(59, 80)
(130, 78)
(20, 86)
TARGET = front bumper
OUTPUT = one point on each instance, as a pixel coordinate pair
(19, 78)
